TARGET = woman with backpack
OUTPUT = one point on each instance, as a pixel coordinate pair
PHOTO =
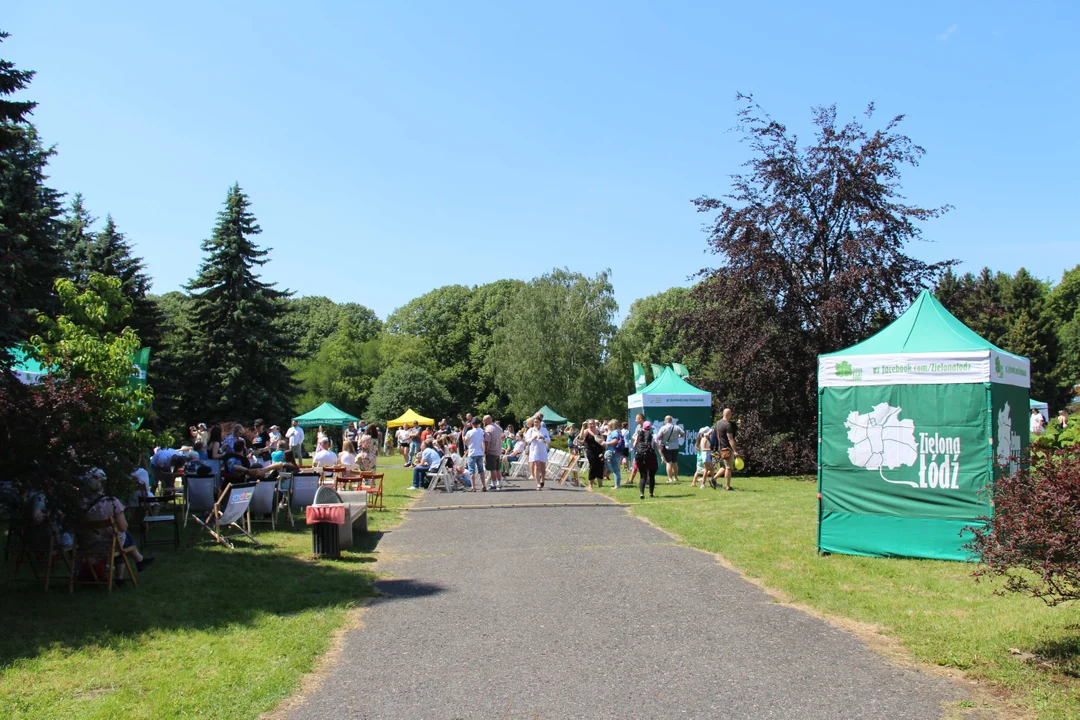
(613, 447)
(645, 462)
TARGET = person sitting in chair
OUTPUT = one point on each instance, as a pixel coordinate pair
(100, 506)
(429, 459)
(324, 455)
(237, 463)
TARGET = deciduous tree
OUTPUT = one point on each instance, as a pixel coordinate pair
(813, 246)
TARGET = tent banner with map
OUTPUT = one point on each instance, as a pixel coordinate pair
(904, 468)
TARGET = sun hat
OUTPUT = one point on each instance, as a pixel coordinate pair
(705, 430)
(647, 425)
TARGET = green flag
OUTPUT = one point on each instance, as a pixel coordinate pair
(657, 370)
(639, 376)
(680, 370)
(140, 363)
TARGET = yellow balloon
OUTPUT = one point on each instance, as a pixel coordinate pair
(739, 464)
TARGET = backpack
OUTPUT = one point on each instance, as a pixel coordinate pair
(620, 447)
(642, 443)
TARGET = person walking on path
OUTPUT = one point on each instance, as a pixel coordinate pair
(725, 432)
(594, 452)
(538, 439)
(645, 461)
(493, 437)
(474, 441)
(668, 438)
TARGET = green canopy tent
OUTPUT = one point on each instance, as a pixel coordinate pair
(551, 417)
(689, 406)
(913, 424)
(326, 414)
(25, 368)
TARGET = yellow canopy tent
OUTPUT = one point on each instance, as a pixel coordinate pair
(409, 417)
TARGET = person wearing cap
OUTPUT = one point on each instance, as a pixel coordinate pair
(645, 463)
(275, 436)
(704, 459)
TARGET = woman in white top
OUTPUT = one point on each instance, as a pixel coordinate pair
(537, 438)
(347, 456)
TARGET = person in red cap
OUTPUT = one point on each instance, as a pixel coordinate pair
(645, 452)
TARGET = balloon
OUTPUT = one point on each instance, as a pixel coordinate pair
(739, 464)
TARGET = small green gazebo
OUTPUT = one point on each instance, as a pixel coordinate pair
(326, 414)
(551, 417)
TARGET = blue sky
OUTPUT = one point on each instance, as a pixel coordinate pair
(390, 148)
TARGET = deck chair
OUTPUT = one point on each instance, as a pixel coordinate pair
(374, 489)
(264, 503)
(301, 494)
(200, 494)
(567, 468)
(519, 470)
(105, 549)
(231, 508)
(439, 476)
(38, 546)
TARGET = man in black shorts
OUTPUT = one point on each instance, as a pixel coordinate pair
(667, 437)
(725, 433)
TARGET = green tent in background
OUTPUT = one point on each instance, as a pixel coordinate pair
(690, 407)
(551, 417)
(28, 370)
(912, 424)
(326, 414)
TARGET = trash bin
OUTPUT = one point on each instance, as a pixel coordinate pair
(324, 540)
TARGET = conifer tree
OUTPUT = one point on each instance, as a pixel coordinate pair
(234, 317)
(76, 236)
(29, 216)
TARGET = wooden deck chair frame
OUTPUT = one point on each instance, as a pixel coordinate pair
(567, 469)
(221, 519)
(35, 556)
(116, 549)
(374, 492)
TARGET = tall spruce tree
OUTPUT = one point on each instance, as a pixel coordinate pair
(29, 216)
(76, 236)
(235, 317)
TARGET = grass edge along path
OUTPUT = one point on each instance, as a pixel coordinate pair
(937, 613)
(209, 632)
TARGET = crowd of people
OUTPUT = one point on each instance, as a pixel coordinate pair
(478, 452)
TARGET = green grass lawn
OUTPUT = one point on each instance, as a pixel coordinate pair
(210, 632)
(767, 529)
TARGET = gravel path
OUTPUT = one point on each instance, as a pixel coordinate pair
(577, 610)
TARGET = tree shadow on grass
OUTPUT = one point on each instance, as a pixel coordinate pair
(1063, 654)
(204, 587)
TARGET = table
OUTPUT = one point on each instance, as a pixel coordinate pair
(147, 503)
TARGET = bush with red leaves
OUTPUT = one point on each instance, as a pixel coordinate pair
(1033, 539)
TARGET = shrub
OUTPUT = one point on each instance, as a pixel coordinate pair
(1033, 539)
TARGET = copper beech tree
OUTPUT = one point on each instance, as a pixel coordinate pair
(813, 245)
